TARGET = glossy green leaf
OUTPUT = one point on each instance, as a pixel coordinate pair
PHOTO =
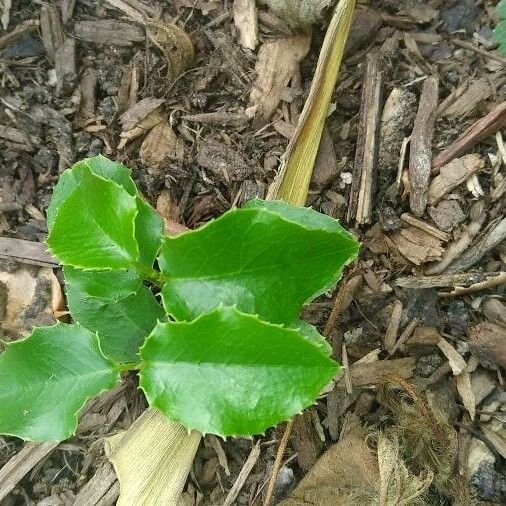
(94, 227)
(269, 259)
(108, 285)
(311, 332)
(148, 224)
(46, 378)
(122, 325)
(230, 373)
(71, 178)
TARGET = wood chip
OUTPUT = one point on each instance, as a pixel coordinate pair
(371, 373)
(108, 31)
(243, 475)
(364, 28)
(366, 154)
(67, 10)
(416, 245)
(51, 29)
(447, 215)
(479, 130)
(278, 61)
(473, 255)
(28, 252)
(444, 280)
(219, 118)
(420, 157)
(426, 227)
(65, 66)
(457, 363)
(478, 91)
(102, 484)
(393, 326)
(487, 341)
(139, 111)
(463, 383)
(325, 166)
(21, 463)
(22, 28)
(452, 175)
(246, 22)
(494, 311)
(305, 441)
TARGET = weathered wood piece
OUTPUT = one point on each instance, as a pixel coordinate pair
(21, 463)
(51, 29)
(102, 489)
(452, 175)
(444, 280)
(474, 254)
(108, 31)
(65, 66)
(27, 252)
(366, 155)
(246, 22)
(483, 128)
(420, 157)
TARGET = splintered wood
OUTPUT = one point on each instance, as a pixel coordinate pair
(366, 155)
(420, 158)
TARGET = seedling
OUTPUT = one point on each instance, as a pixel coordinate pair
(209, 319)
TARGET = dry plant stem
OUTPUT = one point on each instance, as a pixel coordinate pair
(476, 252)
(484, 127)
(243, 475)
(366, 155)
(420, 157)
(277, 462)
(458, 247)
(292, 182)
(497, 280)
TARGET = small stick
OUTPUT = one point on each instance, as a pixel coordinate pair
(346, 370)
(277, 462)
(420, 157)
(243, 475)
(408, 331)
(484, 127)
(491, 282)
(478, 50)
(393, 326)
(366, 155)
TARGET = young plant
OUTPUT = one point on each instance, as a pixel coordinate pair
(225, 352)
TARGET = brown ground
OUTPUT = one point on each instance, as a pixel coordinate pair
(194, 168)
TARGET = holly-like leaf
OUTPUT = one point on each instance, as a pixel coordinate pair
(108, 285)
(46, 378)
(230, 373)
(122, 324)
(94, 227)
(269, 259)
(148, 224)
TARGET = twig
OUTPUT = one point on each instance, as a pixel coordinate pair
(406, 334)
(420, 157)
(243, 475)
(478, 50)
(484, 127)
(443, 280)
(491, 282)
(277, 462)
(366, 155)
(393, 326)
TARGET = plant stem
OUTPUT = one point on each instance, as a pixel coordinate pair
(155, 277)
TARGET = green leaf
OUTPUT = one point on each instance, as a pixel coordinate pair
(122, 324)
(108, 285)
(149, 229)
(71, 178)
(148, 224)
(310, 332)
(46, 378)
(269, 259)
(500, 29)
(230, 373)
(94, 227)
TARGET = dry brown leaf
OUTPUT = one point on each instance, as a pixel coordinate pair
(140, 111)
(176, 46)
(160, 145)
(277, 62)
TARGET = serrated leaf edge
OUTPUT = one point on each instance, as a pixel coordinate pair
(75, 415)
(133, 229)
(153, 403)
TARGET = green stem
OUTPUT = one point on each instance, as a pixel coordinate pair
(155, 277)
(128, 367)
